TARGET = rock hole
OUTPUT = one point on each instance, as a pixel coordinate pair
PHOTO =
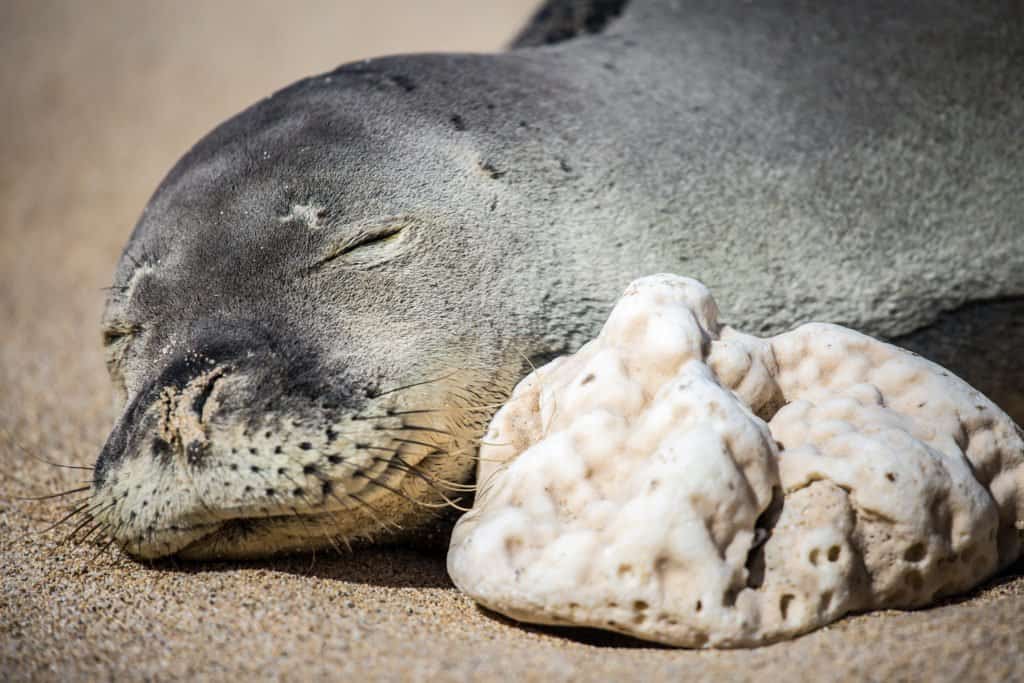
(513, 544)
(639, 618)
(825, 601)
(763, 528)
(784, 604)
(458, 123)
(915, 553)
(833, 553)
(299, 492)
(700, 640)
(625, 569)
(271, 492)
(305, 445)
(729, 598)
(640, 605)
(813, 557)
(699, 606)
(891, 476)
(491, 170)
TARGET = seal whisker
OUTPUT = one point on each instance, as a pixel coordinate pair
(81, 524)
(24, 449)
(71, 514)
(421, 428)
(299, 487)
(414, 384)
(90, 516)
(373, 512)
(448, 502)
(328, 535)
(385, 523)
(429, 479)
(294, 510)
(414, 442)
(397, 492)
(329, 490)
(55, 495)
(89, 532)
(103, 549)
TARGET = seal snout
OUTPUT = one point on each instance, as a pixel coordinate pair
(234, 447)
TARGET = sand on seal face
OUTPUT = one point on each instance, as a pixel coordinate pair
(99, 99)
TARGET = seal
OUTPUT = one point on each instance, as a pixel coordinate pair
(329, 295)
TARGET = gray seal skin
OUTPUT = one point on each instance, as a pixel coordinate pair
(330, 294)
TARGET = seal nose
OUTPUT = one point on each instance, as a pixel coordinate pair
(226, 372)
(185, 419)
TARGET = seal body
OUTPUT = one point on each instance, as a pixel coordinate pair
(330, 294)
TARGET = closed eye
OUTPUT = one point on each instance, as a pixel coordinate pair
(367, 244)
(118, 332)
(373, 237)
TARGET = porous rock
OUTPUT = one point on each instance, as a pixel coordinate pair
(679, 481)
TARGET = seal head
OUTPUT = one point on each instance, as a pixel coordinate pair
(288, 333)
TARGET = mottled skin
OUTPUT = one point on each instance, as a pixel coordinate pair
(403, 218)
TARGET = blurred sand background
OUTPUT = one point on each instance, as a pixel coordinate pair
(97, 100)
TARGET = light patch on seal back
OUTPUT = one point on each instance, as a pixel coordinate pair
(309, 214)
(686, 483)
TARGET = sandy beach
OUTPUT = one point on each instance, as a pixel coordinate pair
(99, 100)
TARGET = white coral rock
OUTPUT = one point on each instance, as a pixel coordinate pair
(689, 484)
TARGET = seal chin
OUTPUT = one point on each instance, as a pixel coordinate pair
(242, 539)
(169, 541)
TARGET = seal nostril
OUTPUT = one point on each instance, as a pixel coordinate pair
(199, 402)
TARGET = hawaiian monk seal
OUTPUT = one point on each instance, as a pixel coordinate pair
(328, 296)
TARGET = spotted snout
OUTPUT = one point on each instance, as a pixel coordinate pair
(249, 453)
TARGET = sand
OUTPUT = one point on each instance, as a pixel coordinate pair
(98, 100)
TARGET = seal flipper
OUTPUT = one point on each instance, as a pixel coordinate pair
(560, 20)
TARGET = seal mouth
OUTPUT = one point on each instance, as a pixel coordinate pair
(245, 538)
(221, 540)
